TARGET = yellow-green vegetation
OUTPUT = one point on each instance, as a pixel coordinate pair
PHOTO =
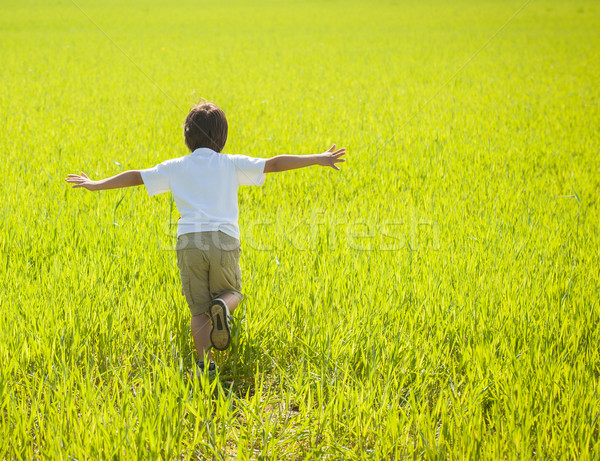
(437, 298)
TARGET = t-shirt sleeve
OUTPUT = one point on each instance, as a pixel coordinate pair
(250, 171)
(157, 179)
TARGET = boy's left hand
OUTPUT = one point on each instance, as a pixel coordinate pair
(81, 181)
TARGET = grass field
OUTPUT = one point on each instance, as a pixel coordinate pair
(437, 298)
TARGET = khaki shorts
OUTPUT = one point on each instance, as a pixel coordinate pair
(209, 267)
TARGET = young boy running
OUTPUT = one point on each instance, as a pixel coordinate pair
(204, 185)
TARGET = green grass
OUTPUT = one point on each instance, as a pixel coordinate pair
(437, 298)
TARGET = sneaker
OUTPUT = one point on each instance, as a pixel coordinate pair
(220, 335)
(212, 369)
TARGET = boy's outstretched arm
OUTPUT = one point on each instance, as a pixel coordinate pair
(290, 162)
(126, 179)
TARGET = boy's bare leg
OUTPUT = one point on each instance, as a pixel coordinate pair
(201, 327)
(201, 333)
(231, 300)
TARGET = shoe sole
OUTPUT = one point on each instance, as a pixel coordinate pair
(220, 336)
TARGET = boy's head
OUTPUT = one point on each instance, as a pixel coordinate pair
(205, 126)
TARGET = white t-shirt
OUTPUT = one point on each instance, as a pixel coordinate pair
(204, 185)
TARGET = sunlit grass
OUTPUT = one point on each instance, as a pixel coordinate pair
(437, 298)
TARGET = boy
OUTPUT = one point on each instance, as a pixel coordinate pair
(204, 185)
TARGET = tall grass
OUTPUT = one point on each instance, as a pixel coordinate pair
(437, 298)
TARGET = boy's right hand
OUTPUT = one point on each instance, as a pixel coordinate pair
(331, 157)
(291, 162)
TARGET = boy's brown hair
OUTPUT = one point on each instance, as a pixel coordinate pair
(205, 126)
